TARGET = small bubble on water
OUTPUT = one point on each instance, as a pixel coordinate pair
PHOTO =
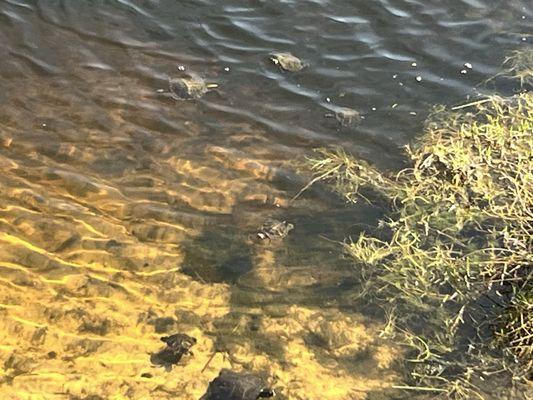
(43, 125)
(328, 99)
(394, 105)
(400, 83)
(394, 76)
(160, 90)
(226, 69)
(464, 71)
(374, 108)
(468, 65)
(181, 67)
(418, 78)
(524, 39)
(413, 64)
(412, 113)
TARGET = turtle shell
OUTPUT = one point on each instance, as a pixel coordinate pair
(179, 341)
(347, 116)
(230, 385)
(287, 62)
(274, 229)
(178, 345)
(188, 88)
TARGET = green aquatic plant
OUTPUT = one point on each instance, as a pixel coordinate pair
(520, 65)
(452, 264)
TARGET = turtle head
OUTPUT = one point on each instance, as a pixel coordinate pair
(266, 393)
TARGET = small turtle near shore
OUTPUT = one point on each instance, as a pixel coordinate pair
(178, 345)
(230, 385)
(287, 62)
(274, 229)
(345, 116)
(189, 88)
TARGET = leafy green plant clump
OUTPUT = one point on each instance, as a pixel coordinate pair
(452, 265)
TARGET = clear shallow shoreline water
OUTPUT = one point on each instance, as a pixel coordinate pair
(126, 214)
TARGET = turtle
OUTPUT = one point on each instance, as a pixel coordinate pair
(189, 87)
(230, 385)
(178, 345)
(287, 62)
(274, 229)
(345, 116)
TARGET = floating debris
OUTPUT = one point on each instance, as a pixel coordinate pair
(274, 229)
(287, 62)
(230, 385)
(178, 345)
(188, 88)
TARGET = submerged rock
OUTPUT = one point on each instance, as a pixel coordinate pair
(178, 345)
(190, 87)
(230, 385)
(287, 62)
(274, 229)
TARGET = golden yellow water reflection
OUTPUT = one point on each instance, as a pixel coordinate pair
(96, 230)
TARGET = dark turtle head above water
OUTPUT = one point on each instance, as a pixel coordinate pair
(189, 87)
(230, 385)
(287, 62)
(274, 229)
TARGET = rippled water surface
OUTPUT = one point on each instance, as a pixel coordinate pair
(126, 214)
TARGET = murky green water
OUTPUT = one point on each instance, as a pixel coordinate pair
(126, 214)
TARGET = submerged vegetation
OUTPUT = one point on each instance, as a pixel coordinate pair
(520, 65)
(452, 263)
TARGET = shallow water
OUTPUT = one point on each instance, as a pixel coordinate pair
(126, 214)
